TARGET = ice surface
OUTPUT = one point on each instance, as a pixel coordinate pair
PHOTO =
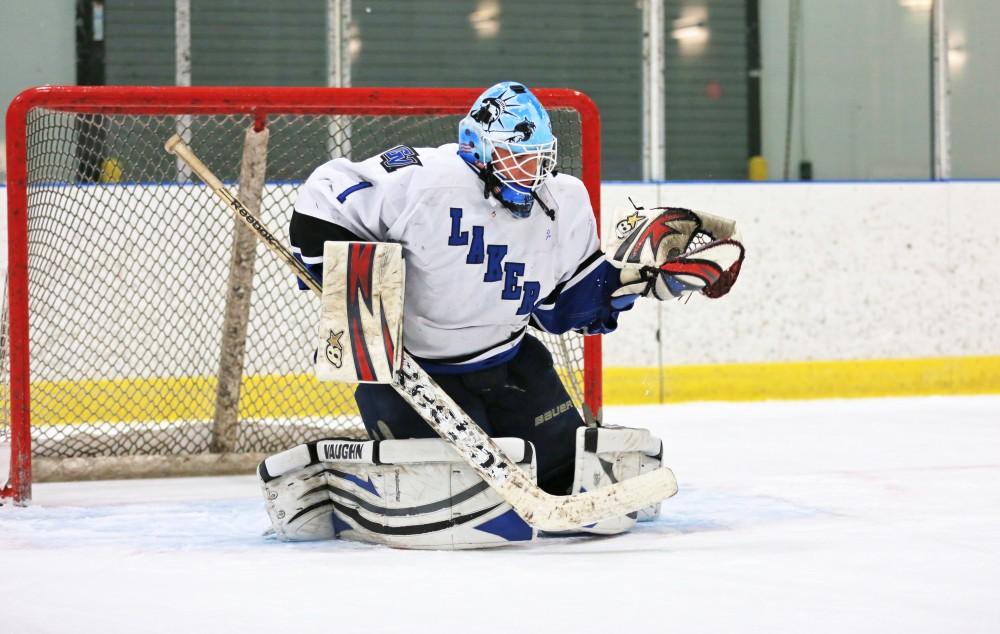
(822, 516)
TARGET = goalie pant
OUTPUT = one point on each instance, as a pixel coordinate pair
(523, 398)
(419, 494)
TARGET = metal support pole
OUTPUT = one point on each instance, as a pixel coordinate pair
(653, 111)
(338, 61)
(182, 74)
(941, 93)
(338, 72)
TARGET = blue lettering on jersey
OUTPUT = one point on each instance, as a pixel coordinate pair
(531, 291)
(399, 156)
(457, 237)
(511, 289)
(476, 248)
(496, 269)
(496, 254)
(342, 196)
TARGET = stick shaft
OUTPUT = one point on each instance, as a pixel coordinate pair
(175, 145)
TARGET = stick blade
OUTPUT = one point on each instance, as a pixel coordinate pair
(561, 513)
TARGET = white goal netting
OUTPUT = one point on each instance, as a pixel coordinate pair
(128, 262)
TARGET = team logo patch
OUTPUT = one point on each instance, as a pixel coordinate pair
(398, 157)
(627, 225)
(335, 349)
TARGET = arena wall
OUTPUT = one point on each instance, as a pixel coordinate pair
(849, 289)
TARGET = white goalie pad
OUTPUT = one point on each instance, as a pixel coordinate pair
(401, 493)
(606, 455)
(361, 319)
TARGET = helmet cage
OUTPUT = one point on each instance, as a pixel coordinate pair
(527, 166)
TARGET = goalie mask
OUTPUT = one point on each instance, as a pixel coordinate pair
(507, 139)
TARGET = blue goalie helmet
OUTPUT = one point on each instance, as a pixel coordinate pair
(507, 139)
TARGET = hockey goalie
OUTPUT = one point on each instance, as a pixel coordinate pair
(492, 242)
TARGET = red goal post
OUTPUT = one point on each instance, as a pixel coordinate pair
(115, 305)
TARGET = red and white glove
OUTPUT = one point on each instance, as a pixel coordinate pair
(665, 252)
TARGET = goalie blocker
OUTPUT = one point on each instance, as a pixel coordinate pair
(361, 318)
(418, 493)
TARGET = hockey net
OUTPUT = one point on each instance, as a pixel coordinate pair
(120, 262)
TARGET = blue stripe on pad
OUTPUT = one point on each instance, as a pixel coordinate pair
(508, 526)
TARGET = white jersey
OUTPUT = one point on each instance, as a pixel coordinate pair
(474, 273)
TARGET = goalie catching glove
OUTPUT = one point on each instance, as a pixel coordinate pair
(666, 251)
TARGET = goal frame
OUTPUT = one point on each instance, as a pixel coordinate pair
(260, 103)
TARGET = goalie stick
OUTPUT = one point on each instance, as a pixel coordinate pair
(540, 509)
